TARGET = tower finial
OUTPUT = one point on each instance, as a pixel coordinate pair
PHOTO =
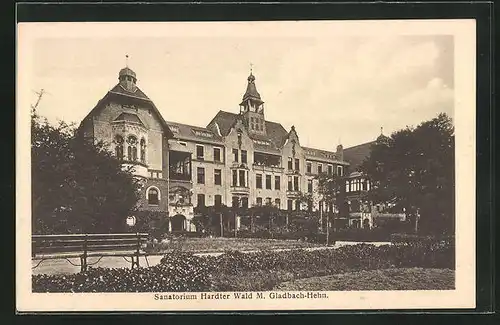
(251, 68)
(381, 130)
(126, 60)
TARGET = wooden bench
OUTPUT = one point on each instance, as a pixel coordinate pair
(88, 245)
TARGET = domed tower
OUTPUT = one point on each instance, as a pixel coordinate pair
(252, 108)
(382, 139)
(130, 134)
(127, 79)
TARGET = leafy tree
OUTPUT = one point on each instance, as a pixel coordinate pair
(77, 185)
(331, 191)
(414, 169)
(208, 218)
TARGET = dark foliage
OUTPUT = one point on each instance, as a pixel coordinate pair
(77, 185)
(415, 168)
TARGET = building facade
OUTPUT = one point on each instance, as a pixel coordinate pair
(240, 159)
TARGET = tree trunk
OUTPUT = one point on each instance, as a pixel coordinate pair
(221, 226)
(235, 231)
(417, 217)
(327, 230)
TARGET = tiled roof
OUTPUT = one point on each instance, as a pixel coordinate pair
(120, 91)
(276, 133)
(357, 154)
(194, 133)
(224, 121)
(137, 93)
(320, 154)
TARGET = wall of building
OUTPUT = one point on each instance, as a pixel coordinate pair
(231, 142)
(155, 146)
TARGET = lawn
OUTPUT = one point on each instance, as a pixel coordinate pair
(387, 279)
(214, 245)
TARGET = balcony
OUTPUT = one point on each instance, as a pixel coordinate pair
(293, 193)
(179, 176)
(180, 166)
(239, 165)
(265, 168)
(240, 189)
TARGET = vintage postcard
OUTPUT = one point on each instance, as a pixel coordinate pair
(237, 166)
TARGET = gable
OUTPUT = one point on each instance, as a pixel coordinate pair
(272, 141)
(138, 95)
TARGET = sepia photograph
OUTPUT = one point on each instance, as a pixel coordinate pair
(246, 165)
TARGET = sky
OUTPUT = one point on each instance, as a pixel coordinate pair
(333, 87)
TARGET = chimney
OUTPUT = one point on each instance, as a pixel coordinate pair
(340, 152)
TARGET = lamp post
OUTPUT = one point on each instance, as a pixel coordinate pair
(131, 221)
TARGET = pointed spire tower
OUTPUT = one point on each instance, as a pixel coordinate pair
(252, 107)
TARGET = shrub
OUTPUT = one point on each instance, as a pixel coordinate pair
(175, 275)
(180, 271)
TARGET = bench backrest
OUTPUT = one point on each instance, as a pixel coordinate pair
(85, 243)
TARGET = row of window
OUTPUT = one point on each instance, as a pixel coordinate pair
(256, 124)
(277, 182)
(355, 185)
(240, 178)
(201, 200)
(200, 176)
(155, 174)
(240, 155)
(291, 164)
(131, 147)
(293, 183)
(200, 153)
(277, 202)
(330, 170)
(153, 196)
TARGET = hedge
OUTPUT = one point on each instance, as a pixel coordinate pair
(184, 272)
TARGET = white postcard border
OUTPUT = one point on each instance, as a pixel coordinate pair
(463, 296)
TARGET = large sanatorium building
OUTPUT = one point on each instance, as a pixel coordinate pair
(238, 159)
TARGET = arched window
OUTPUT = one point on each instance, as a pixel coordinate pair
(153, 196)
(119, 147)
(132, 148)
(143, 150)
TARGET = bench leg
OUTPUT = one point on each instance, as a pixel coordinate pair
(83, 263)
(135, 261)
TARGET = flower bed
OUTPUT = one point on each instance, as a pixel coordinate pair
(234, 271)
